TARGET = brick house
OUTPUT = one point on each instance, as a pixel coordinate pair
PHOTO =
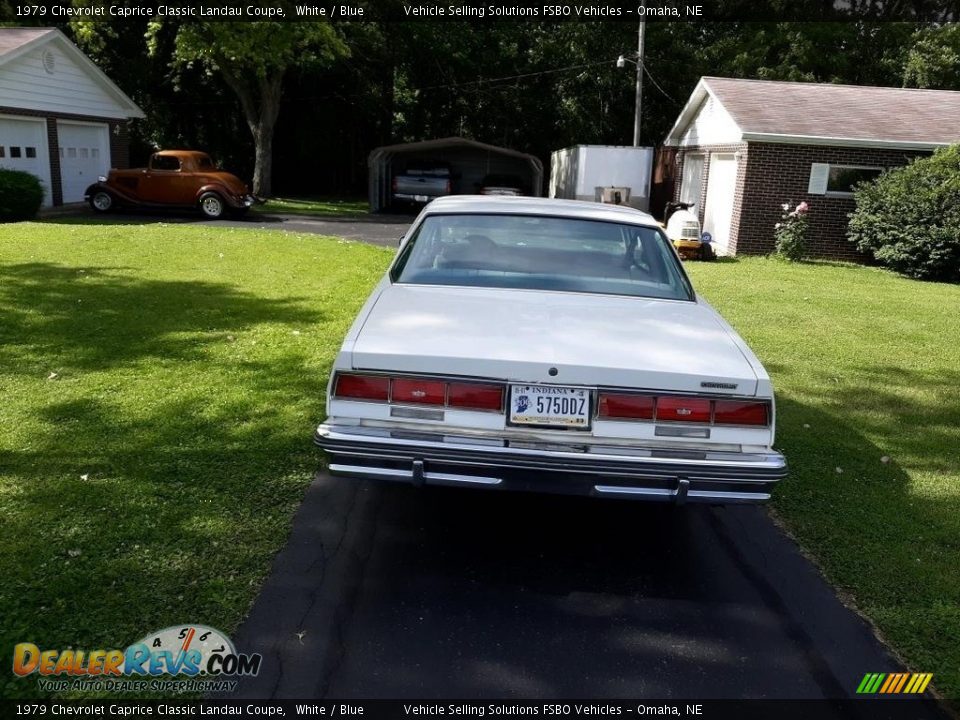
(745, 147)
(61, 118)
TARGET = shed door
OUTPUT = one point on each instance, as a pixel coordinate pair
(692, 181)
(84, 155)
(23, 146)
(718, 212)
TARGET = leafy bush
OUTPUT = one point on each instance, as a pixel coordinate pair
(908, 219)
(20, 195)
(791, 232)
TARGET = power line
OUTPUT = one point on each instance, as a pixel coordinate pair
(514, 77)
(657, 85)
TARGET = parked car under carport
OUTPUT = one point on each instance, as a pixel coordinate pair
(470, 163)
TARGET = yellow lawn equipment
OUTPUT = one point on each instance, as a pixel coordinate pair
(683, 229)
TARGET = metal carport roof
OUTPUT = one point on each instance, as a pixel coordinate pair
(381, 159)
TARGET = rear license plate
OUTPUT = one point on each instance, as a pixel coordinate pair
(549, 406)
(420, 198)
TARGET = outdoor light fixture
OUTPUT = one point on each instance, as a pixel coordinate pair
(621, 62)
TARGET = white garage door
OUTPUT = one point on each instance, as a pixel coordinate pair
(84, 156)
(718, 212)
(23, 146)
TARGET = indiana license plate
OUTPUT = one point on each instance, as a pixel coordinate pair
(549, 406)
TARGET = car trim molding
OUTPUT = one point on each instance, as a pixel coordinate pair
(434, 458)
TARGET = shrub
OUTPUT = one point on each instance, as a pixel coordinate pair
(791, 232)
(21, 195)
(908, 219)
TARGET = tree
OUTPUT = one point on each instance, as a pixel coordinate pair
(253, 58)
(934, 59)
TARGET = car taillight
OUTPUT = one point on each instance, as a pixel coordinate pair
(394, 185)
(448, 187)
(422, 391)
(683, 409)
(675, 408)
(636, 407)
(737, 412)
(362, 387)
(474, 396)
(416, 390)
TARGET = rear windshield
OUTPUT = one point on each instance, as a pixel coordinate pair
(542, 253)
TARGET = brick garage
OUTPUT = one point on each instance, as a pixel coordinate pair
(61, 118)
(778, 142)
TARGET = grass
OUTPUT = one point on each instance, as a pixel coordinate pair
(866, 366)
(160, 387)
(161, 383)
(323, 207)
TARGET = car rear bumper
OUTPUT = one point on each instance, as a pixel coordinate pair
(664, 475)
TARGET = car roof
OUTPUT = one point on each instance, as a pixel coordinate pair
(182, 153)
(580, 209)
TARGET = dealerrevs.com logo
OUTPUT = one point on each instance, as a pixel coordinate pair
(190, 658)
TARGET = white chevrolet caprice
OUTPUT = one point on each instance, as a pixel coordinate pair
(548, 345)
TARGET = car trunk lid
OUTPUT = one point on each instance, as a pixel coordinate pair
(552, 337)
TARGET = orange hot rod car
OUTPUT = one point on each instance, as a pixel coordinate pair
(173, 179)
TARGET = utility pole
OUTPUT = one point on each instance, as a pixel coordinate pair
(639, 101)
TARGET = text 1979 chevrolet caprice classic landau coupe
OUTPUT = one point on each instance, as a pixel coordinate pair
(544, 345)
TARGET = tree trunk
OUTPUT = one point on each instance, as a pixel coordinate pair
(263, 167)
(261, 105)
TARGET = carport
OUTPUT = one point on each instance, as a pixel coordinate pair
(470, 160)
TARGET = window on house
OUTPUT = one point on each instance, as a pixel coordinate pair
(844, 178)
(84, 153)
(828, 179)
(71, 152)
(14, 151)
(3, 151)
(94, 153)
(31, 152)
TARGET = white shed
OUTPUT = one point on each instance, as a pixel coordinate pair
(61, 117)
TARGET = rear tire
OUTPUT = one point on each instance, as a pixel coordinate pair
(101, 201)
(212, 206)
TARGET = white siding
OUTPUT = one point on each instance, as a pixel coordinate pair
(712, 125)
(25, 83)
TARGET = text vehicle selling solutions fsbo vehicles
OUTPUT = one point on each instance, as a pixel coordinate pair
(545, 345)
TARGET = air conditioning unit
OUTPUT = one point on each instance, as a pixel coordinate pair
(614, 195)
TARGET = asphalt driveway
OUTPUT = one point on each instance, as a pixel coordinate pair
(383, 230)
(387, 591)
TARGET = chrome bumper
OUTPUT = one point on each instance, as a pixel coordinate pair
(665, 475)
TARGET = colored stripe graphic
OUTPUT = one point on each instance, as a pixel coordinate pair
(894, 683)
(892, 679)
(903, 680)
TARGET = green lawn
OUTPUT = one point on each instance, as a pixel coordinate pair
(151, 480)
(161, 384)
(866, 366)
(315, 206)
